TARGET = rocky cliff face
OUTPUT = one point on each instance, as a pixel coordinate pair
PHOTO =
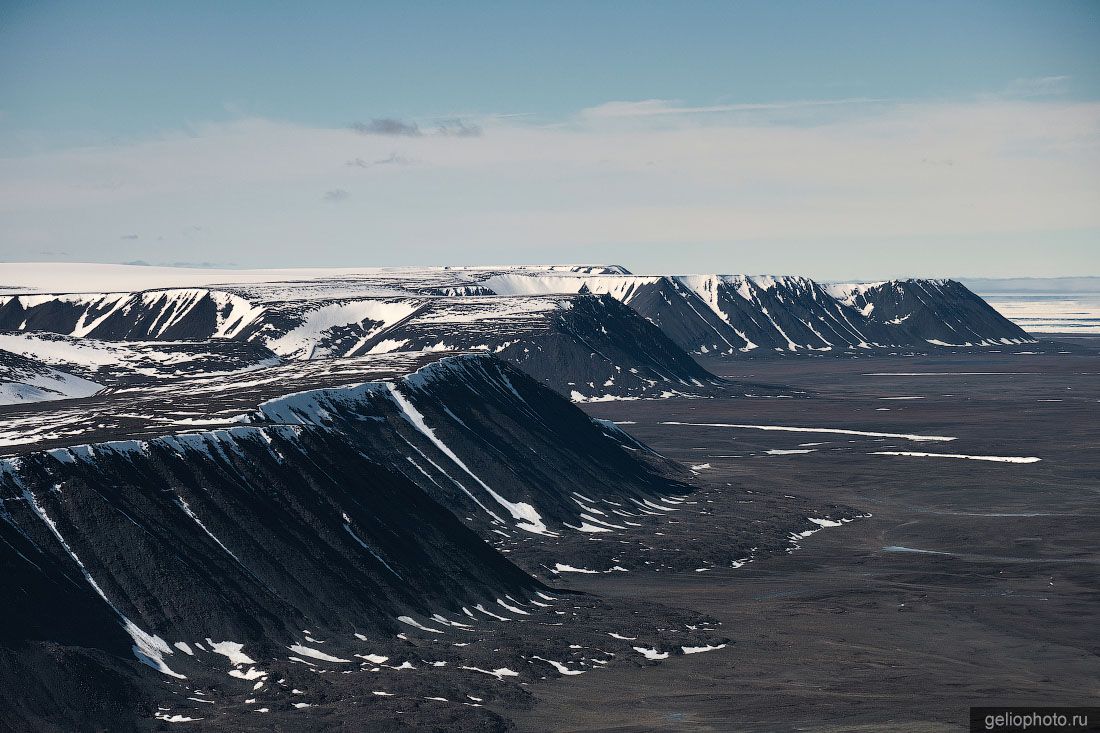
(330, 516)
(731, 314)
(582, 344)
(937, 312)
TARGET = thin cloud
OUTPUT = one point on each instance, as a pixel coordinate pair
(191, 265)
(1042, 86)
(654, 107)
(386, 126)
(458, 128)
(391, 159)
(1027, 169)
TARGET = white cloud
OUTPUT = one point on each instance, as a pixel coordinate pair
(652, 107)
(1038, 86)
(650, 172)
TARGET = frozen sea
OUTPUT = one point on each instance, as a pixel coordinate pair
(1049, 313)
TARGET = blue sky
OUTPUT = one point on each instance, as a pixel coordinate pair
(834, 139)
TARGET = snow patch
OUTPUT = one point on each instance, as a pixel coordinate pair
(994, 459)
(650, 653)
(834, 431)
(315, 654)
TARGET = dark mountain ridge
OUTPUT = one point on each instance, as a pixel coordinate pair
(585, 345)
(731, 314)
(344, 514)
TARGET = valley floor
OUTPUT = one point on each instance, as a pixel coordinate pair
(972, 582)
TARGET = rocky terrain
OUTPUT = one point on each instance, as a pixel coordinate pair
(371, 501)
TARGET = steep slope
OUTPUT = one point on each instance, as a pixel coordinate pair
(477, 434)
(728, 314)
(745, 312)
(290, 328)
(721, 314)
(488, 442)
(336, 523)
(588, 347)
(939, 312)
(229, 544)
(687, 319)
(65, 661)
(150, 408)
(175, 314)
(302, 533)
(584, 345)
(778, 312)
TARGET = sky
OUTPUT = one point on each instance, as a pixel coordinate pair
(833, 139)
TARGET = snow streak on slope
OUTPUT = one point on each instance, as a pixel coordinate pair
(333, 511)
(231, 510)
(442, 425)
(148, 648)
(940, 312)
(701, 313)
(601, 351)
(529, 519)
(151, 315)
(730, 313)
(313, 337)
(590, 346)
